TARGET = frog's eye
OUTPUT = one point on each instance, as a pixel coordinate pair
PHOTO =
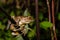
(17, 27)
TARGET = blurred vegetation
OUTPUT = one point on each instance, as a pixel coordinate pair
(27, 8)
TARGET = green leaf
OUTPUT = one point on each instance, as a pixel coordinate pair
(26, 27)
(31, 34)
(31, 24)
(8, 33)
(19, 37)
(41, 16)
(1, 39)
(4, 20)
(34, 28)
(45, 24)
(18, 12)
(2, 26)
(58, 16)
(46, 19)
(12, 14)
(8, 38)
(26, 13)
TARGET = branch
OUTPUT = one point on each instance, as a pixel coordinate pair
(49, 13)
(8, 16)
(37, 20)
(53, 21)
(57, 6)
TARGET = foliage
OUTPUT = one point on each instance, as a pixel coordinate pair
(41, 16)
(12, 14)
(32, 34)
(27, 11)
(45, 25)
(58, 16)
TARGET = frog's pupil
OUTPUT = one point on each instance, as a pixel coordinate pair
(17, 27)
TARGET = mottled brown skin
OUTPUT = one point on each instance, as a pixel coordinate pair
(21, 21)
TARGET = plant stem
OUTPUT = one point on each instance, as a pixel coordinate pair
(49, 13)
(37, 21)
(57, 6)
(53, 21)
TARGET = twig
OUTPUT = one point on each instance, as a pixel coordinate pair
(49, 13)
(57, 6)
(53, 20)
(8, 16)
(37, 20)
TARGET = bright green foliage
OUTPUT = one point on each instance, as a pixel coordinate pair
(26, 13)
(12, 14)
(43, 19)
(8, 35)
(31, 35)
(5, 35)
(45, 25)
